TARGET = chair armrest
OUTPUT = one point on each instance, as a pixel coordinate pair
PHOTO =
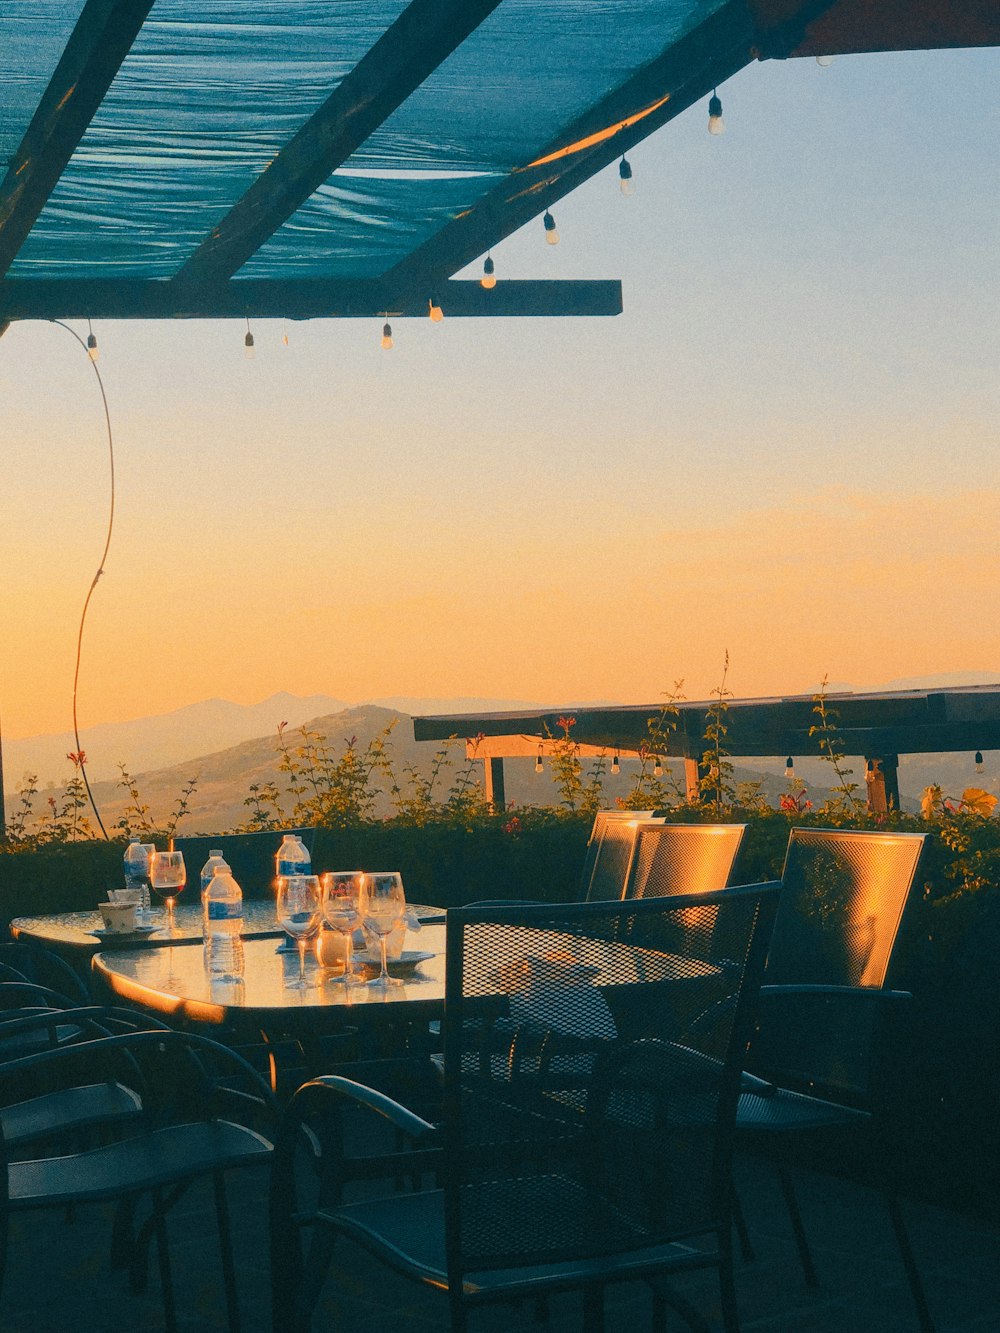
(333, 1088)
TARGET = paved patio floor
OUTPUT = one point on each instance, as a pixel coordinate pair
(58, 1279)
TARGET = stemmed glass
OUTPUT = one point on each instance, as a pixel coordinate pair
(383, 905)
(299, 915)
(168, 876)
(342, 913)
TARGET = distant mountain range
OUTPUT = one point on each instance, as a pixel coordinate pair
(173, 738)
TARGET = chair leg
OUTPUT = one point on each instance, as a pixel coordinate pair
(909, 1263)
(542, 1312)
(122, 1238)
(163, 1251)
(665, 1296)
(226, 1248)
(727, 1282)
(317, 1266)
(795, 1217)
(593, 1309)
(747, 1251)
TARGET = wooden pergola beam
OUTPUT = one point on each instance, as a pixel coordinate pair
(423, 36)
(876, 725)
(684, 73)
(301, 298)
(102, 38)
(644, 102)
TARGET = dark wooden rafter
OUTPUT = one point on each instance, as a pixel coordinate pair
(684, 73)
(102, 38)
(424, 34)
(304, 298)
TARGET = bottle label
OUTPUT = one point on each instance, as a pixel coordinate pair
(293, 868)
(225, 911)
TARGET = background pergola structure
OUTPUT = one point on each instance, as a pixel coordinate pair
(880, 727)
(366, 171)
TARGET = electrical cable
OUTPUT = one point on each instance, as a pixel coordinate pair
(81, 759)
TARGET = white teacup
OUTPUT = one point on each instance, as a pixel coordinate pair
(119, 918)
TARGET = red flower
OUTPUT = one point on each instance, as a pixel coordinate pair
(566, 722)
(513, 826)
(77, 760)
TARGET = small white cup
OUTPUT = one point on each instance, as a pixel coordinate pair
(119, 918)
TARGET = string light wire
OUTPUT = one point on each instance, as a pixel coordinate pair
(100, 570)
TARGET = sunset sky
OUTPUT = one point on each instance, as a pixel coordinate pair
(786, 447)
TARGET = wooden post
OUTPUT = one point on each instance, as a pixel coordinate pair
(692, 780)
(890, 774)
(493, 771)
(882, 781)
(875, 784)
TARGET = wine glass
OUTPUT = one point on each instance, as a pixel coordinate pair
(342, 912)
(167, 875)
(299, 915)
(383, 905)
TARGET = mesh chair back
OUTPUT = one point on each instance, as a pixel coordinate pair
(683, 858)
(586, 1112)
(842, 903)
(609, 856)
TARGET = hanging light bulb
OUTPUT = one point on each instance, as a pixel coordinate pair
(539, 766)
(549, 223)
(657, 767)
(386, 336)
(716, 125)
(488, 280)
(92, 350)
(824, 61)
(616, 764)
(284, 335)
(435, 312)
(789, 767)
(626, 182)
(979, 761)
(248, 347)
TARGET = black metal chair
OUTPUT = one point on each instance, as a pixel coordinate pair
(586, 1134)
(33, 962)
(817, 1060)
(683, 858)
(609, 852)
(182, 1139)
(34, 1107)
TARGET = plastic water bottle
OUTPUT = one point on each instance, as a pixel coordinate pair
(215, 859)
(224, 925)
(136, 861)
(293, 857)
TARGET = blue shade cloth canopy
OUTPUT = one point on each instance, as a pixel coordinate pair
(218, 146)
